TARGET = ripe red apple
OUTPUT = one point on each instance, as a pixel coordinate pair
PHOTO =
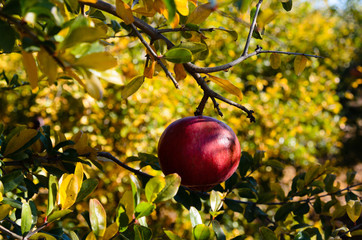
(202, 150)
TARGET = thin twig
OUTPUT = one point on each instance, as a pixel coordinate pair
(252, 27)
(200, 108)
(154, 55)
(185, 29)
(31, 233)
(10, 233)
(290, 53)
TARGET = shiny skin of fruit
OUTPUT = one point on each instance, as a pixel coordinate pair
(202, 150)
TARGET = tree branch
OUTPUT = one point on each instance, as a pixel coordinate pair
(154, 55)
(10, 233)
(252, 27)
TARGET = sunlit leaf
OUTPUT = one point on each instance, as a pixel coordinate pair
(178, 55)
(4, 210)
(354, 209)
(171, 9)
(42, 236)
(215, 201)
(111, 231)
(275, 60)
(171, 235)
(244, 5)
(26, 218)
(124, 11)
(82, 34)
(194, 47)
(144, 209)
(201, 232)
(19, 140)
(47, 65)
(132, 86)
(195, 217)
(94, 86)
(182, 7)
(299, 64)
(98, 217)
(149, 70)
(68, 190)
(153, 187)
(200, 14)
(128, 203)
(173, 182)
(91, 236)
(30, 69)
(227, 85)
(99, 61)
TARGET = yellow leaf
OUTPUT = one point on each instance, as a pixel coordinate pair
(299, 64)
(176, 20)
(128, 203)
(275, 60)
(124, 11)
(354, 209)
(200, 14)
(94, 86)
(144, 11)
(68, 190)
(20, 140)
(110, 231)
(159, 6)
(132, 86)
(91, 236)
(99, 61)
(228, 86)
(47, 65)
(78, 173)
(42, 236)
(149, 70)
(4, 211)
(179, 71)
(30, 69)
(182, 7)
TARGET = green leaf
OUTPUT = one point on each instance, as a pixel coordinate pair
(328, 182)
(88, 186)
(194, 47)
(283, 212)
(52, 193)
(82, 34)
(350, 176)
(354, 210)
(97, 217)
(26, 218)
(8, 37)
(267, 234)
(201, 232)
(317, 205)
(299, 64)
(195, 217)
(99, 61)
(288, 5)
(12, 202)
(178, 55)
(136, 189)
(245, 164)
(153, 187)
(220, 235)
(232, 33)
(132, 86)
(57, 215)
(122, 218)
(173, 182)
(171, 9)
(12, 180)
(142, 233)
(236, 207)
(171, 235)
(301, 208)
(144, 209)
(243, 5)
(302, 236)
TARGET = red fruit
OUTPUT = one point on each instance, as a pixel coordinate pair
(202, 150)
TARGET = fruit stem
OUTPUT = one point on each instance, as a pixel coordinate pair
(200, 108)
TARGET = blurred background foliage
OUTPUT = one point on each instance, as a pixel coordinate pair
(300, 120)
